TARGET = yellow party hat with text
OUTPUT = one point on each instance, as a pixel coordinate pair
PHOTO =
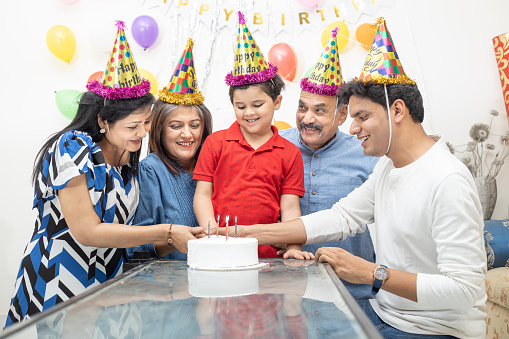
(326, 77)
(249, 66)
(121, 78)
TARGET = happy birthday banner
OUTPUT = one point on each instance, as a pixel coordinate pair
(282, 15)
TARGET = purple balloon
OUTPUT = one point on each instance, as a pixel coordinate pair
(145, 31)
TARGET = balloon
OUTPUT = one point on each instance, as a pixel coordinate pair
(96, 76)
(365, 34)
(67, 102)
(153, 81)
(308, 72)
(61, 42)
(69, 2)
(281, 125)
(309, 3)
(145, 31)
(283, 56)
(343, 34)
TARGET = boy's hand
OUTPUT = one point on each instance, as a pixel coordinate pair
(297, 254)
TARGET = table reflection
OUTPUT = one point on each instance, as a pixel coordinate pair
(165, 299)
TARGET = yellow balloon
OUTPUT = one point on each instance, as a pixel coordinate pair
(61, 42)
(281, 125)
(153, 81)
(343, 34)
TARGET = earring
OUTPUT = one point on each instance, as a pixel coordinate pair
(102, 131)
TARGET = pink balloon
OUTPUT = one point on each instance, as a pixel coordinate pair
(69, 2)
(309, 3)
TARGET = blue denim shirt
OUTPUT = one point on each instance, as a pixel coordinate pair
(165, 198)
(330, 174)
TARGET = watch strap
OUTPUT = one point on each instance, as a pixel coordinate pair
(377, 283)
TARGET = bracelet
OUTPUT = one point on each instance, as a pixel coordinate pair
(169, 239)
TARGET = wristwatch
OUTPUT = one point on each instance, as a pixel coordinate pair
(380, 275)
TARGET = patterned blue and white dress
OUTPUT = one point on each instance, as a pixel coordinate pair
(55, 266)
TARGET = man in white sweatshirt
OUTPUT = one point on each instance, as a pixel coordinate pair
(431, 262)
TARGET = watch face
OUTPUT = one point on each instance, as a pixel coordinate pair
(381, 273)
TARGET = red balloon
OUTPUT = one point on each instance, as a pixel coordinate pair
(283, 56)
(96, 76)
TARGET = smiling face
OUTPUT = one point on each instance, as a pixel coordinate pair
(370, 124)
(181, 135)
(254, 110)
(126, 134)
(316, 119)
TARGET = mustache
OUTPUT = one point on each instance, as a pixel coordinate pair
(315, 126)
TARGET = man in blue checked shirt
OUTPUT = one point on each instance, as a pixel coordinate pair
(334, 165)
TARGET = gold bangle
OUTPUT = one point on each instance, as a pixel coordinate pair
(169, 239)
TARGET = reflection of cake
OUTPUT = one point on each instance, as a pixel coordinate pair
(217, 253)
(214, 284)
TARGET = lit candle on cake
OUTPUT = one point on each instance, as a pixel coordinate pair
(227, 219)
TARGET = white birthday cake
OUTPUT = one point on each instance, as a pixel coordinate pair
(219, 253)
(216, 284)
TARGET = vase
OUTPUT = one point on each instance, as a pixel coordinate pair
(487, 189)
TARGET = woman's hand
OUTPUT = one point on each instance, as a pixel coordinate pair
(181, 234)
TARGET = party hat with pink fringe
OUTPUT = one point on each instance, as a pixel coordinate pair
(121, 78)
(249, 66)
(326, 77)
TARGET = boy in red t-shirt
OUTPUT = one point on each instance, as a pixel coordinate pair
(249, 171)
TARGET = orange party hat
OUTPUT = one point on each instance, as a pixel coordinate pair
(326, 77)
(121, 78)
(183, 86)
(382, 64)
(249, 66)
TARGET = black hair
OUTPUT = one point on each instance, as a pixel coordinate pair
(271, 87)
(375, 92)
(91, 106)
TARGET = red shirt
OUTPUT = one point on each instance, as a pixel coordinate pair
(248, 183)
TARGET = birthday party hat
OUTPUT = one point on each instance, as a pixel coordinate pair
(326, 77)
(249, 66)
(382, 64)
(121, 78)
(183, 86)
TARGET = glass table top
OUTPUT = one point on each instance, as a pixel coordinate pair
(166, 299)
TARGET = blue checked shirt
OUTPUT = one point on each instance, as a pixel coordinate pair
(330, 174)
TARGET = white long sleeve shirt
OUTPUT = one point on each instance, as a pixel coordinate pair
(428, 221)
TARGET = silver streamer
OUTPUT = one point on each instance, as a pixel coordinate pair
(214, 33)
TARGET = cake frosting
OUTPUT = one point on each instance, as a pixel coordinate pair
(217, 284)
(218, 253)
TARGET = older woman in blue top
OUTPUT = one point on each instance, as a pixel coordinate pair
(179, 127)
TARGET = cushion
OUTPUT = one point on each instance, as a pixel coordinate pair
(496, 238)
(496, 321)
(497, 286)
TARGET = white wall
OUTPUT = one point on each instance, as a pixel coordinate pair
(445, 45)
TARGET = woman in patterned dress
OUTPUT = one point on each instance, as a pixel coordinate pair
(86, 194)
